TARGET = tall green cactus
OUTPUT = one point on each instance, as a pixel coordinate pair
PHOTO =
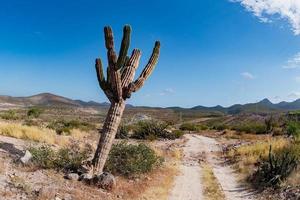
(118, 86)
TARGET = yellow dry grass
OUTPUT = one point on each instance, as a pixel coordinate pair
(248, 155)
(37, 134)
(211, 187)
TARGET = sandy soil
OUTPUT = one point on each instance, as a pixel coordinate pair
(188, 184)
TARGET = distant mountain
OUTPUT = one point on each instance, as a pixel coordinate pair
(262, 106)
(47, 99)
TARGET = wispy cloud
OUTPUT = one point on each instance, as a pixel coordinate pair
(167, 91)
(294, 95)
(293, 62)
(267, 10)
(247, 75)
(297, 79)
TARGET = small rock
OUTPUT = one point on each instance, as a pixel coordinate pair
(72, 176)
(105, 181)
(26, 158)
(85, 176)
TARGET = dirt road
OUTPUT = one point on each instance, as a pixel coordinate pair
(188, 184)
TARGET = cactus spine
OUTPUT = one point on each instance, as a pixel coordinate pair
(118, 86)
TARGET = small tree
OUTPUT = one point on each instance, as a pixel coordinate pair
(118, 86)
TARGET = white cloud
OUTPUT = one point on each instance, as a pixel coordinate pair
(247, 75)
(297, 79)
(294, 95)
(293, 62)
(167, 91)
(266, 10)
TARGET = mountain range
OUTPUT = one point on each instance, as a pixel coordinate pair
(48, 99)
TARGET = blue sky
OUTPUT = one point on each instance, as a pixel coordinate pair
(213, 52)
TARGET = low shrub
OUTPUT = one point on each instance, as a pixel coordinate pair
(34, 112)
(43, 157)
(257, 128)
(131, 160)
(123, 132)
(67, 158)
(176, 134)
(275, 169)
(150, 130)
(219, 127)
(10, 115)
(293, 129)
(71, 158)
(63, 127)
(189, 127)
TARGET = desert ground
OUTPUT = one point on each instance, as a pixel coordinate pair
(196, 155)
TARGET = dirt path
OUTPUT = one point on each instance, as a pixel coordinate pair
(188, 184)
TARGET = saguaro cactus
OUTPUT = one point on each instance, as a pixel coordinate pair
(118, 86)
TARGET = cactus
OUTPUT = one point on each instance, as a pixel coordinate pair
(118, 86)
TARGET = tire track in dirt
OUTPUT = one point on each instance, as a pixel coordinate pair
(188, 186)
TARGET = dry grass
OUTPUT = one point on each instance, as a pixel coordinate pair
(211, 187)
(247, 155)
(37, 134)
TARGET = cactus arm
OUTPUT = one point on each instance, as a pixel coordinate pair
(114, 77)
(100, 75)
(148, 69)
(129, 71)
(101, 79)
(124, 47)
(109, 43)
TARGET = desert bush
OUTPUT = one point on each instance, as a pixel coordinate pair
(71, 158)
(189, 127)
(43, 156)
(150, 130)
(176, 134)
(123, 132)
(257, 128)
(10, 115)
(67, 158)
(293, 129)
(131, 160)
(202, 127)
(275, 169)
(219, 127)
(34, 112)
(63, 127)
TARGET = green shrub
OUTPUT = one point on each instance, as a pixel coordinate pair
(188, 127)
(219, 126)
(123, 132)
(10, 115)
(150, 130)
(275, 169)
(131, 160)
(34, 112)
(67, 158)
(71, 158)
(257, 128)
(43, 156)
(293, 129)
(63, 127)
(176, 134)
(203, 127)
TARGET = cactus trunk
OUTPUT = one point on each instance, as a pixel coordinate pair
(107, 136)
(118, 86)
